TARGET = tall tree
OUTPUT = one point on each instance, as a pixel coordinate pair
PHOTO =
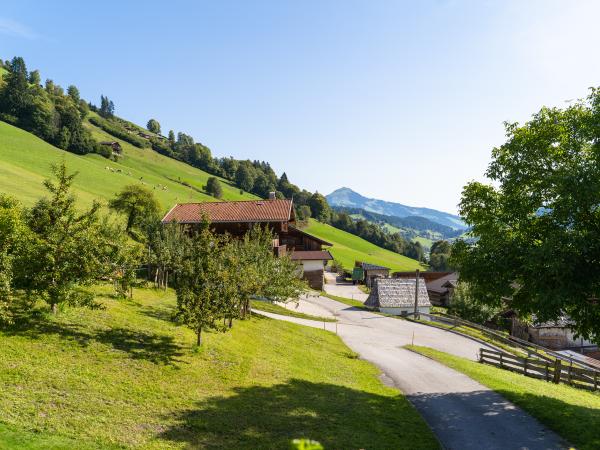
(319, 207)
(244, 178)
(107, 107)
(439, 255)
(137, 203)
(153, 126)
(537, 229)
(73, 93)
(34, 77)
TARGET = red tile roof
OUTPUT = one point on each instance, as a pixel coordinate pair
(314, 255)
(240, 211)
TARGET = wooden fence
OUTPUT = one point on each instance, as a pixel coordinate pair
(555, 371)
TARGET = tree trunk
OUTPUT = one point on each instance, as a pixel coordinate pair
(199, 337)
(230, 322)
(54, 307)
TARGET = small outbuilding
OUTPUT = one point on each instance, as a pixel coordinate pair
(372, 271)
(396, 296)
(557, 335)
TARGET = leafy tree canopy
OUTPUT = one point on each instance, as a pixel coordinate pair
(536, 230)
(137, 203)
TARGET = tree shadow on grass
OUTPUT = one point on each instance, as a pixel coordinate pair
(138, 344)
(270, 417)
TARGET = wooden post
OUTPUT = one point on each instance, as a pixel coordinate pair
(525, 366)
(595, 380)
(557, 370)
(547, 372)
(569, 373)
(481, 355)
(417, 294)
(501, 362)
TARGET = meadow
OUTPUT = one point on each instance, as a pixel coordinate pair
(128, 376)
(348, 248)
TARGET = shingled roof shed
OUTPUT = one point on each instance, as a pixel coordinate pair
(397, 296)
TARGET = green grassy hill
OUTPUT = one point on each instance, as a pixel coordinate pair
(25, 162)
(348, 248)
(127, 376)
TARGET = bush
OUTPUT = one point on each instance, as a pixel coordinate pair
(465, 306)
(213, 187)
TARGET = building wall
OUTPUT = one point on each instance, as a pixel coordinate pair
(314, 278)
(400, 311)
(370, 274)
(311, 265)
(556, 338)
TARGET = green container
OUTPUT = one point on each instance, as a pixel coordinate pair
(358, 274)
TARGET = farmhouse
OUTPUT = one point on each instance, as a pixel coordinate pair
(238, 217)
(397, 296)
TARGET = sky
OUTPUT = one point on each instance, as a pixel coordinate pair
(402, 101)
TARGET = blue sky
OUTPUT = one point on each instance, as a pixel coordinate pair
(402, 101)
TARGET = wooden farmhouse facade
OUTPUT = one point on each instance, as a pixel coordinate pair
(238, 217)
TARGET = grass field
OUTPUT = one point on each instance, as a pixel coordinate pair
(348, 248)
(126, 376)
(572, 413)
(25, 162)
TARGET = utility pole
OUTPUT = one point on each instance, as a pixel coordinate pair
(417, 294)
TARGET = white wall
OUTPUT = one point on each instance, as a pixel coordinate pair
(399, 311)
(310, 265)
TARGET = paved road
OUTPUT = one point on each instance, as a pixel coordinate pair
(462, 413)
(343, 289)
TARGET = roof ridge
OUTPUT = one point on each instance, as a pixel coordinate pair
(238, 201)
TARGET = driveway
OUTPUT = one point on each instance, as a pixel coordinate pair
(335, 286)
(461, 412)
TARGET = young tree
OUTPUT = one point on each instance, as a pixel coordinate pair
(537, 228)
(153, 126)
(213, 187)
(68, 251)
(171, 139)
(137, 203)
(201, 286)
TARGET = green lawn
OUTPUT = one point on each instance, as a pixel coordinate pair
(572, 413)
(25, 162)
(277, 309)
(126, 376)
(348, 248)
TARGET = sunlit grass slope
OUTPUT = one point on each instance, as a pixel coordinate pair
(127, 376)
(25, 162)
(348, 248)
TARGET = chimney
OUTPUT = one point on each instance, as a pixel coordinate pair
(272, 196)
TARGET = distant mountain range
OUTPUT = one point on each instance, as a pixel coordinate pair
(347, 198)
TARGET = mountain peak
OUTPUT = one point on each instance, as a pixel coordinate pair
(346, 197)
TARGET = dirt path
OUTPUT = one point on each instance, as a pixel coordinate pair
(462, 413)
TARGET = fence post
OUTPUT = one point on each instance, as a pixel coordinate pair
(501, 362)
(481, 355)
(569, 374)
(525, 366)
(557, 370)
(595, 380)
(547, 372)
